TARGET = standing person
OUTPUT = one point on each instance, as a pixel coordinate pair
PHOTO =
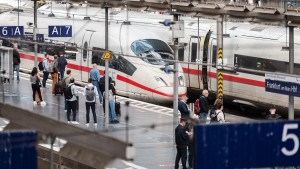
(62, 63)
(16, 62)
(203, 104)
(71, 97)
(46, 68)
(65, 83)
(273, 115)
(35, 85)
(182, 107)
(219, 112)
(181, 140)
(54, 73)
(111, 103)
(95, 76)
(90, 92)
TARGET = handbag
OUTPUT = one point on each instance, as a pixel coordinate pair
(38, 83)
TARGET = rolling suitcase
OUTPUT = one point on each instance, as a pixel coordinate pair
(117, 107)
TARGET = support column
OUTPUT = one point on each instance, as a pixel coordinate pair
(175, 84)
(34, 34)
(291, 65)
(106, 70)
(220, 56)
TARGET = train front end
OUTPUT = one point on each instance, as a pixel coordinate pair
(157, 70)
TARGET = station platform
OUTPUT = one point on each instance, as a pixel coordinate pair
(150, 127)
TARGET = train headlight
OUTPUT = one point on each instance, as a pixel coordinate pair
(180, 81)
(160, 81)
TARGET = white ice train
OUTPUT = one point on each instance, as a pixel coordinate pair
(140, 78)
(250, 48)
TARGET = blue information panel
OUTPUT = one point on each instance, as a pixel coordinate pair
(40, 37)
(229, 146)
(283, 84)
(11, 31)
(60, 31)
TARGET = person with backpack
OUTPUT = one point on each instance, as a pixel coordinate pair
(218, 115)
(71, 93)
(203, 105)
(64, 84)
(45, 69)
(90, 92)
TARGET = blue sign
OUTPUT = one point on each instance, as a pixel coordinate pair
(11, 31)
(227, 146)
(282, 83)
(60, 31)
(40, 37)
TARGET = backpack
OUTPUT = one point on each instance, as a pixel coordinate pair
(68, 92)
(40, 65)
(197, 107)
(214, 114)
(89, 93)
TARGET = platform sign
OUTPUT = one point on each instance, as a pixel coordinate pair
(40, 37)
(11, 31)
(251, 145)
(282, 83)
(60, 31)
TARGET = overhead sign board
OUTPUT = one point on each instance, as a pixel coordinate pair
(251, 145)
(11, 31)
(60, 31)
(282, 83)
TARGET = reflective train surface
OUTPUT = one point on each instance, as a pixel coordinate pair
(141, 77)
(249, 51)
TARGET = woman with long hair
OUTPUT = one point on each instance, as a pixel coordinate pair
(36, 87)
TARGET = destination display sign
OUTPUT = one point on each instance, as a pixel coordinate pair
(60, 31)
(282, 83)
(247, 145)
(11, 31)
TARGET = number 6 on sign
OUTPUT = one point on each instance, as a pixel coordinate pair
(286, 136)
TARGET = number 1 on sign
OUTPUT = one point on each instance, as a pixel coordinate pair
(286, 136)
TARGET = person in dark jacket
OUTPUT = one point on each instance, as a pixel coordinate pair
(182, 107)
(273, 115)
(62, 63)
(181, 140)
(16, 62)
(203, 104)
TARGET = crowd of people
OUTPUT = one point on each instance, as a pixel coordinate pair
(206, 115)
(65, 85)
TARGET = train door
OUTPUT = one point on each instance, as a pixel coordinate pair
(212, 84)
(194, 70)
(205, 60)
(86, 54)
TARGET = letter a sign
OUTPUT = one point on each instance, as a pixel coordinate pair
(106, 56)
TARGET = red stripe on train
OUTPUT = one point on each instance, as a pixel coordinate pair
(119, 77)
(227, 77)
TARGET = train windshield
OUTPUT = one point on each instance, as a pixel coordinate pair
(152, 51)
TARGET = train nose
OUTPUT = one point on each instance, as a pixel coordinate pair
(165, 94)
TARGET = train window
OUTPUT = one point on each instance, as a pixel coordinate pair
(181, 54)
(152, 50)
(85, 50)
(194, 52)
(123, 65)
(97, 55)
(260, 64)
(214, 55)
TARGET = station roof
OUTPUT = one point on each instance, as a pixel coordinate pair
(205, 9)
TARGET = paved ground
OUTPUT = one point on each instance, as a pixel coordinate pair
(149, 127)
